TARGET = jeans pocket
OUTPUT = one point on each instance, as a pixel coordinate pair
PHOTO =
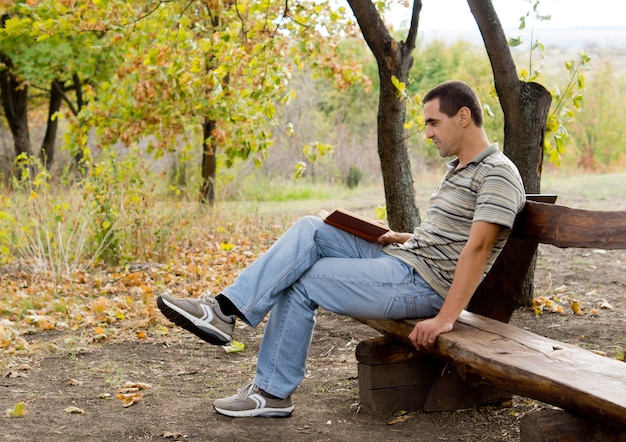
(414, 305)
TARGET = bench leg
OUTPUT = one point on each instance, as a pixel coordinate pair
(450, 392)
(393, 377)
(560, 426)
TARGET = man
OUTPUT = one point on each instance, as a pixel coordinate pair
(431, 272)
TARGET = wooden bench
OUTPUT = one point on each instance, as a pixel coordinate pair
(484, 358)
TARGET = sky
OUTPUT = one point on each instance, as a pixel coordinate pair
(441, 15)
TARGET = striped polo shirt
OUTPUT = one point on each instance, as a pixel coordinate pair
(489, 188)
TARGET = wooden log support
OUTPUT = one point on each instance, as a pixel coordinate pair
(561, 426)
(394, 377)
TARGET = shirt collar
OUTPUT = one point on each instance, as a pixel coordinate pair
(491, 149)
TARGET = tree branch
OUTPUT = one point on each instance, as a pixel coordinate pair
(372, 26)
(415, 18)
(502, 64)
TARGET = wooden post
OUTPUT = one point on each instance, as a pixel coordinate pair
(394, 376)
(560, 426)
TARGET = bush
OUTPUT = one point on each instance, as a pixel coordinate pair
(355, 175)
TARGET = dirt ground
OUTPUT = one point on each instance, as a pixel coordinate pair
(185, 375)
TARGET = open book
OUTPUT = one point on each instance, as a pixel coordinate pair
(358, 225)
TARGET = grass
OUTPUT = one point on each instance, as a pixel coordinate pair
(155, 226)
(587, 191)
(581, 190)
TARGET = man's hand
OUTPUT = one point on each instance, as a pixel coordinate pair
(425, 332)
(394, 237)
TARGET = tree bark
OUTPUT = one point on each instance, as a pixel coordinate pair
(394, 59)
(49, 139)
(209, 163)
(14, 96)
(525, 107)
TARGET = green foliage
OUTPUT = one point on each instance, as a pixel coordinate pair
(43, 48)
(61, 230)
(565, 101)
(186, 62)
(53, 232)
(600, 133)
(355, 175)
(561, 113)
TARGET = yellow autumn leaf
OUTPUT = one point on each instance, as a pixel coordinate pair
(576, 308)
(74, 410)
(161, 330)
(234, 347)
(226, 246)
(18, 410)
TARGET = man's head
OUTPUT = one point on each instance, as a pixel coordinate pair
(454, 118)
(454, 95)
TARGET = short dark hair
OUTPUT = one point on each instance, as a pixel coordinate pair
(453, 95)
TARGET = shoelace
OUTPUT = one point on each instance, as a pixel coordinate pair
(207, 298)
(246, 391)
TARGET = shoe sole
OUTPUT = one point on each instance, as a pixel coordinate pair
(207, 334)
(257, 412)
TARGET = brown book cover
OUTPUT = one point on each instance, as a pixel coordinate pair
(360, 226)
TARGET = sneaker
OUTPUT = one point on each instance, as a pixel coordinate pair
(201, 316)
(251, 401)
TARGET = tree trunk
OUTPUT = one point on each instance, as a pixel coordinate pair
(402, 212)
(394, 59)
(525, 107)
(78, 91)
(14, 95)
(49, 139)
(209, 163)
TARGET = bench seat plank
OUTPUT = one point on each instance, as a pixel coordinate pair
(484, 350)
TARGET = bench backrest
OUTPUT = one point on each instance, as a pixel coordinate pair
(501, 291)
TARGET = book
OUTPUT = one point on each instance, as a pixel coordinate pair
(358, 225)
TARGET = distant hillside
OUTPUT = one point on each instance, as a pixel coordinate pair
(607, 43)
(573, 38)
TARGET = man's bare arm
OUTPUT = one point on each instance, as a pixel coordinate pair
(468, 274)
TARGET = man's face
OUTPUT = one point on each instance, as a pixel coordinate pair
(441, 129)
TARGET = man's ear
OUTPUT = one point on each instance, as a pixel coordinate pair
(465, 116)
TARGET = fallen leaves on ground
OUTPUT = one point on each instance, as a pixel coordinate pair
(130, 393)
(113, 304)
(234, 347)
(18, 410)
(561, 297)
(399, 417)
(172, 435)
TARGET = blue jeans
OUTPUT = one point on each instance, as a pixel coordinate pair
(317, 265)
